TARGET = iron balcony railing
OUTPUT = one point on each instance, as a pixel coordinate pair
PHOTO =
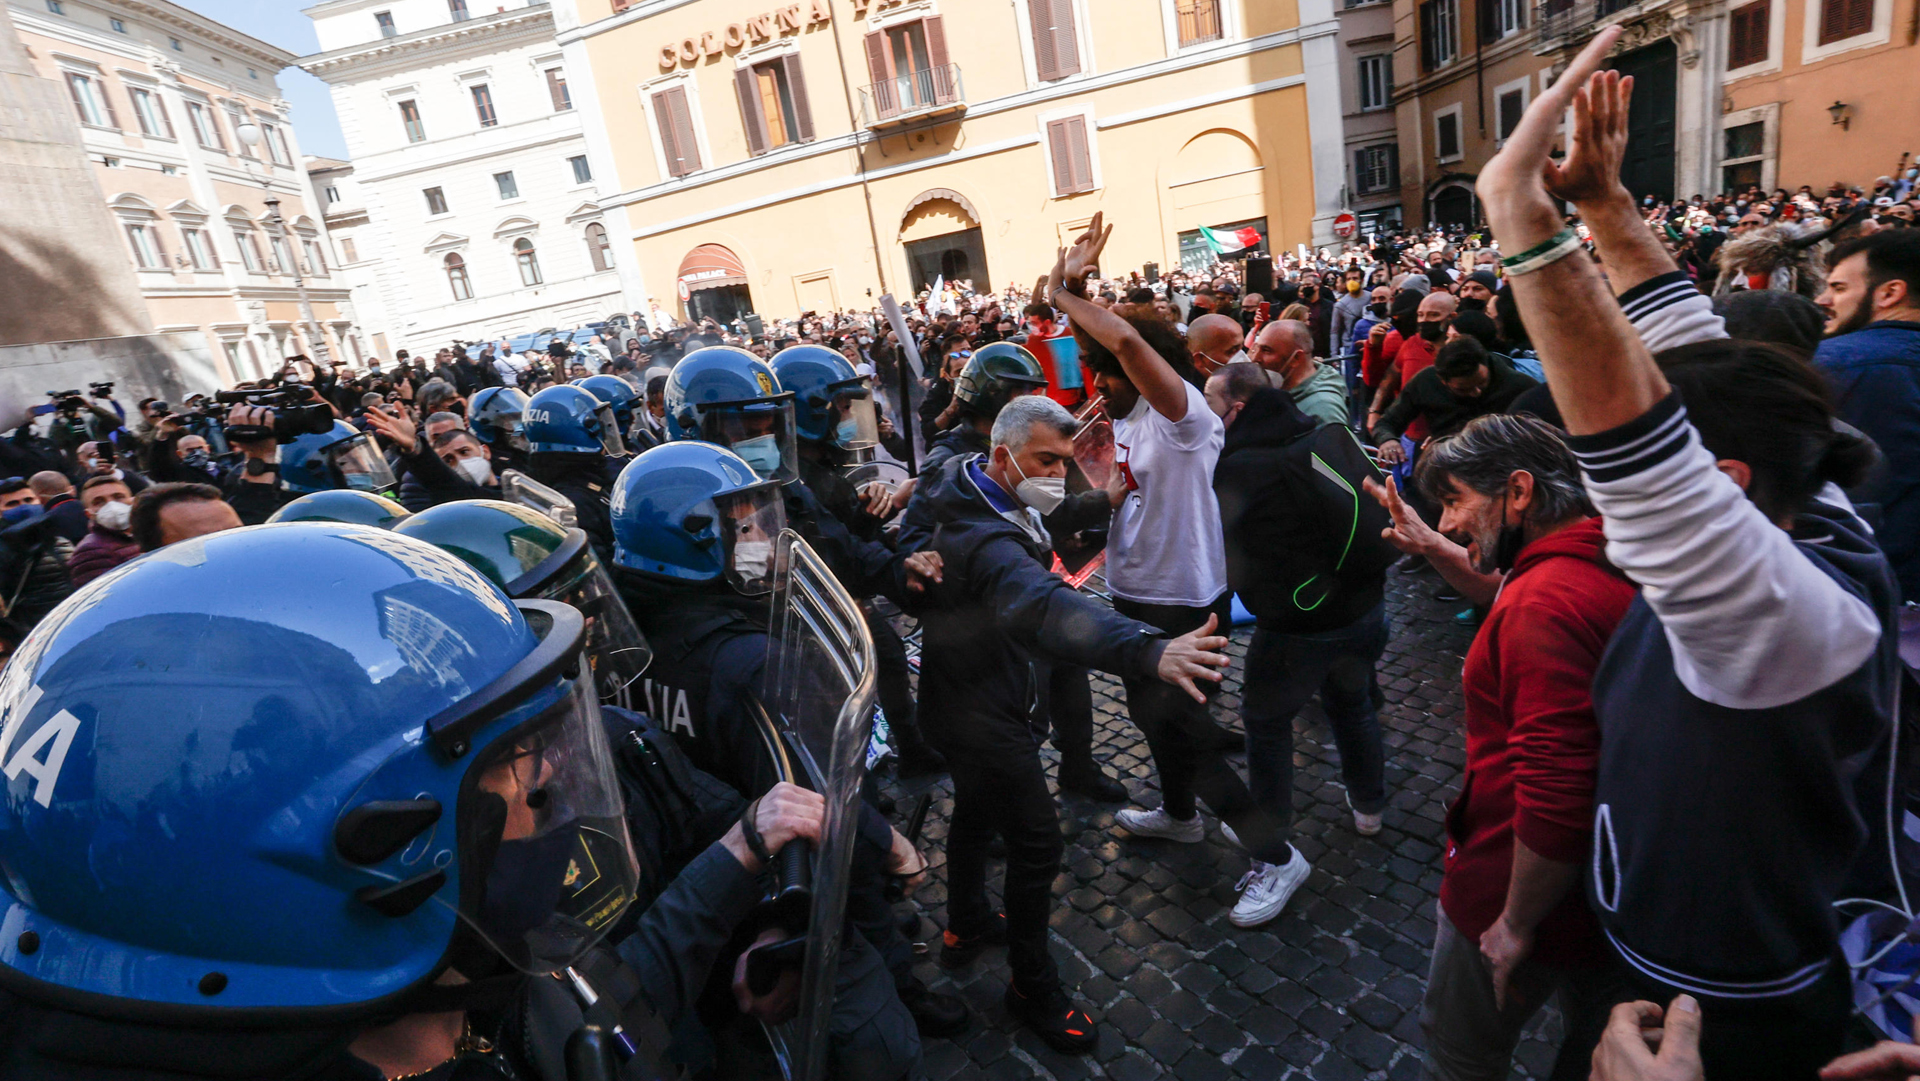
(912, 94)
(1560, 20)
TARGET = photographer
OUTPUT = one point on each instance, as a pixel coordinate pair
(96, 459)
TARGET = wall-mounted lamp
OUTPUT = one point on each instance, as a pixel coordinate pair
(1838, 110)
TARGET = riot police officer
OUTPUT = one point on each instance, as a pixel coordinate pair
(625, 402)
(443, 826)
(497, 418)
(344, 505)
(694, 531)
(575, 444)
(834, 421)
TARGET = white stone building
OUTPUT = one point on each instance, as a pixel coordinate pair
(477, 204)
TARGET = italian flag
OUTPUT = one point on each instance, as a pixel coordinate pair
(1222, 241)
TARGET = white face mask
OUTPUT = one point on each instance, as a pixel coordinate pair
(476, 469)
(1044, 494)
(1239, 356)
(115, 515)
(752, 560)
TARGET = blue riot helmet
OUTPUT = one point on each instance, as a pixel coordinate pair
(499, 413)
(342, 458)
(832, 403)
(616, 392)
(569, 420)
(694, 512)
(731, 397)
(190, 832)
(343, 505)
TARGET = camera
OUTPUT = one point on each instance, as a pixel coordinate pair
(295, 413)
(101, 390)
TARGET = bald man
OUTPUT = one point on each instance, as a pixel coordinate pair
(1214, 341)
(1284, 348)
(1434, 315)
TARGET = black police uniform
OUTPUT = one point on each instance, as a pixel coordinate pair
(587, 479)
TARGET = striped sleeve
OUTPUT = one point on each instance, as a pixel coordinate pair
(1752, 622)
(1668, 311)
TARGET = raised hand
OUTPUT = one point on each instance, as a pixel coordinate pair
(1596, 143)
(1517, 174)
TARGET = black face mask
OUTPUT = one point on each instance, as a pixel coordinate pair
(1472, 304)
(1506, 549)
(1433, 329)
(1378, 311)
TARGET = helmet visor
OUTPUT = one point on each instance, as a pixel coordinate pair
(763, 435)
(547, 865)
(361, 466)
(751, 522)
(615, 647)
(856, 424)
(610, 440)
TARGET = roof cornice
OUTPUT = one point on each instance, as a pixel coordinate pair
(481, 33)
(174, 15)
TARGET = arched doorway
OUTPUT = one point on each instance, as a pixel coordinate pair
(713, 285)
(1452, 204)
(941, 232)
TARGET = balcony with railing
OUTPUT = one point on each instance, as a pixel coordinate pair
(914, 96)
(1562, 21)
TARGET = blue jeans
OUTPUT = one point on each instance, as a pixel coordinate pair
(1284, 671)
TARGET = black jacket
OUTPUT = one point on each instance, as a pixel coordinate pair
(587, 479)
(70, 518)
(1446, 413)
(999, 618)
(426, 481)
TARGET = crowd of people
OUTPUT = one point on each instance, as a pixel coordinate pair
(465, 664)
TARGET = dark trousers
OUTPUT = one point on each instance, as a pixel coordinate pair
(893, 683)
(1070, 707)
(1007, 795)
(1284, 672)
(1176, 728)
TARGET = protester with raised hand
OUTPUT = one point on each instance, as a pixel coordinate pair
(1751, 681)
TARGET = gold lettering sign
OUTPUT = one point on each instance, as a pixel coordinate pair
(788, 19)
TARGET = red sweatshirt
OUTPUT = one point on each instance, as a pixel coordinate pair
(1532, 743)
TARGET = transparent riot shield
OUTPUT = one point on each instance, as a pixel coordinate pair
(517, 487)
(876, 474)
(820, 691)
(1093, 444)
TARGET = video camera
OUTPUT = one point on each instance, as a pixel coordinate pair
(295, 413)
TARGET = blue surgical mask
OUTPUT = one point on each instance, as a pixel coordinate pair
(20, 513)
(846, 432)
(762, 452)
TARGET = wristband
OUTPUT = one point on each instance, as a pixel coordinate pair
(755, 843)
(1565, 243)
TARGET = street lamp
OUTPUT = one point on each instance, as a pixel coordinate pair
(250, 134)
(1838, 110)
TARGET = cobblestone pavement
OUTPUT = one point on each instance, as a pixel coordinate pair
(1329, 991)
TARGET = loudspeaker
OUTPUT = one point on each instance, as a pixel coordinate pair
(1259, 276)
(1153, 272)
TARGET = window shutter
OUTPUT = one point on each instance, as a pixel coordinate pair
(1747, 34)
(79, 103)
(1859, 19)
(676, 131)
(1844, 18)
(1077, 148)
(1061, 155)
(885, 104)
(802, 108)
(746, 81)
(936, 31)
(1066, 39)
(1046, 62)
(1360, 185)
(166, 122)
(113, 121)
(1393, 165)
(557, 90)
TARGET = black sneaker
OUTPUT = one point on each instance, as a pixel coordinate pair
(1092, 782)
(1054, 1018)
(936, 1016)
(958, 952)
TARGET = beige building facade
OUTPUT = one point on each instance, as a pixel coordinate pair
(808, 157)
(159, 93)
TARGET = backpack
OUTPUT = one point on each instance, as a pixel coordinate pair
(1304, 548)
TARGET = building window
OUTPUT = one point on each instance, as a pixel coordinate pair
(1842, 19)
(276, 144)
(119, 25)
(236, 118)
(773, 104)
(1376, 81)
(174, 44)
(56, 7)
(1199, 21)
(200, 249)
(151, 112)
(1446, 135)
(146, 253)
(111, 163)
(205, 128)
(1376, 168)
(1744, 162)
(483, 106)
(316, 262)
(1509, 105)
(249, 246)
(282, 256)
(505, 182)
(252, 74)
(598, 248)
(677, 142)
(582, 174)
(457, 279)
(90, 99)
(348, 249)
(436, 201)
(528, 262)
(410, 119)
(1747, 29)
(384, 19)
(910, 68)
(1439, 40)
(1056, 41)
(458, 9)
(557, 90)
(1500, 18)
(1071, 156)
(333, 194)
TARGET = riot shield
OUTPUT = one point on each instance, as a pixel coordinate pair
(517, 487)
(820, 691)
(1093, 444)
(882, 472)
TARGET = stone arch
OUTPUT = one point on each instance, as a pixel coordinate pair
(968, 212)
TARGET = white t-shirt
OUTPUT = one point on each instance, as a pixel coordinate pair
(1165, 546)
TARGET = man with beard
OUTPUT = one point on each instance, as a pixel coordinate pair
(1872, 360)
(1514, 928)
(1477, 290)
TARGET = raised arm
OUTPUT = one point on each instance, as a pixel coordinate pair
(1151, 375)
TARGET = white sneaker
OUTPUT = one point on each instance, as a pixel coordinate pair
(1158, 823)
(1364, 824)
(1267, 888)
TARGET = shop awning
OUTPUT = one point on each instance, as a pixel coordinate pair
(711, 266)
